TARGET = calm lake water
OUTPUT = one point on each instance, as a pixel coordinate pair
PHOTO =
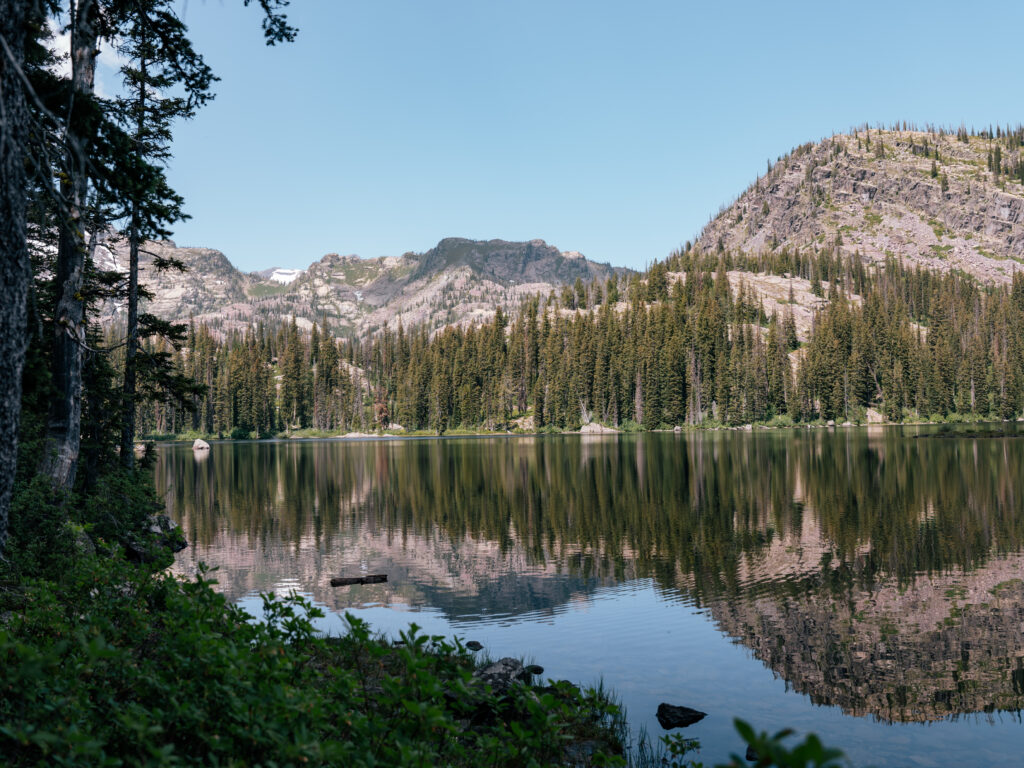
(864, 584)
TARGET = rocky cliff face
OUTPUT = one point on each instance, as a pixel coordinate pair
(458, 281)
(209, 284)
(875, 193)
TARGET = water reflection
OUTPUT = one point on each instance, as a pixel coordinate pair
(870, 570)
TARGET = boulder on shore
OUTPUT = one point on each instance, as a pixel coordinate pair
(502, 674)
(200, 445)
(162, 533)
(593, 428)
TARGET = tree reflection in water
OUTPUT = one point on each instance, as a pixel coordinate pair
(872, 570)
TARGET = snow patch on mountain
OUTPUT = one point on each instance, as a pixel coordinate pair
(280, 275)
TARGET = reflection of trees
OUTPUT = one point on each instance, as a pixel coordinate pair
(812, 528)
(883, 504)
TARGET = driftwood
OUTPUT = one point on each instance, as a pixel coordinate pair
(344, 581)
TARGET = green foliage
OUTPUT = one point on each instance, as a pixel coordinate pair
(770, 751)
(678, 747)
(50, 529)
(116, 665)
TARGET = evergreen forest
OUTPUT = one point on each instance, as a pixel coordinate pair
(678, 345)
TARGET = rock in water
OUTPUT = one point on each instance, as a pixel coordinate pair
(473, 645)
(200, 445)
(670, 716)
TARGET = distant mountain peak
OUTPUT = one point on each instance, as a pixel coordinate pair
(457, 281)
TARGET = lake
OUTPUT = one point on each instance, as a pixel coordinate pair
(861, 583)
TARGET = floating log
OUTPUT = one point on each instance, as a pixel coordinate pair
(344, 581)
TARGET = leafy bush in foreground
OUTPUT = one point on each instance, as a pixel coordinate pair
(114, 666)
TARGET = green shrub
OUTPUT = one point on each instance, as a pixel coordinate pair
(781, 420)
(116, 665)
(770, 751)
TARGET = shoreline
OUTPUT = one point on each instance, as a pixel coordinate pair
(602, 432)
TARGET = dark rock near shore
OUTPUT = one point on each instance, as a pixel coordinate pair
(534, 669)
(162, 533)
(671, 716)
(473, 645)
(502, 674)
(83, 543)
(582, 753)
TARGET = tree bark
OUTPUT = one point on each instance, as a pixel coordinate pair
(132, 342)
(15, 270)
(60, 460)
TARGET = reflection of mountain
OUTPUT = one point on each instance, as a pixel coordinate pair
(907, 651)
(466, 580)
(278, 516)
(872, 571)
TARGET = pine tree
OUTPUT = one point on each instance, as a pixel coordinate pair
(161, 60)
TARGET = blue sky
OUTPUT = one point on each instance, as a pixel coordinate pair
(614, 129)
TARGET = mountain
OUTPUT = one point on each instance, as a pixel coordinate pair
(457, 281)
(928, 198)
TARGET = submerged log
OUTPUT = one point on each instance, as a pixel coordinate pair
(344, 581)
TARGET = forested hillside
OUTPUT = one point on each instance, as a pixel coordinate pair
(693, 341)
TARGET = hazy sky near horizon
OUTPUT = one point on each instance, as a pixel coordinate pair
(614, 129)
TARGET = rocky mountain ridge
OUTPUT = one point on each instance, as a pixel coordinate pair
(926, 197)
(458, 281)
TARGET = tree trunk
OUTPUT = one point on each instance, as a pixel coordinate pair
(131, 344)
(15, 270)
(61, 457)
(131, 349)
